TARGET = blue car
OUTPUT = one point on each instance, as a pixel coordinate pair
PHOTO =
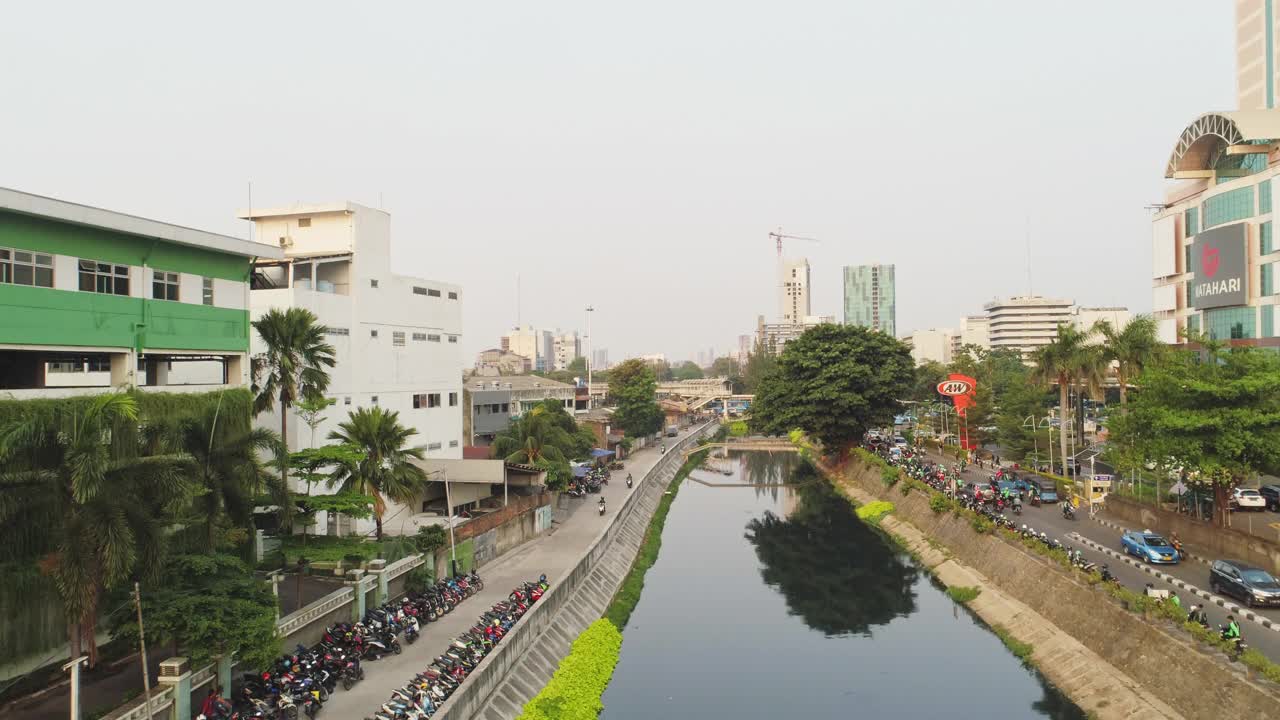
(1148, 546)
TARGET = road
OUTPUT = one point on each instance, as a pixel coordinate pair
(577, 524)
(1135, 575)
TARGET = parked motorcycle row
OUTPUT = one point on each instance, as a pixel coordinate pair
(589, 483)
(428, 689)
(300, 683)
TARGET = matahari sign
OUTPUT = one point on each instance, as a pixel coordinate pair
(1219, 268)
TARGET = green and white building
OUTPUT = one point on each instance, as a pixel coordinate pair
(92, 299)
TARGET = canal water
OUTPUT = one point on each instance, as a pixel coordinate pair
(775, 601)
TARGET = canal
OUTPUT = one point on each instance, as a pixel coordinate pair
(775, 601)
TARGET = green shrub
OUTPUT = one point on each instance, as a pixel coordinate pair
(963, 593)
(889, 476)
(575, 689)
(1020, 649)
(874, 512)
(939, 503)
(419, 579)
(980, 524)
(431, 538)
(738, 428)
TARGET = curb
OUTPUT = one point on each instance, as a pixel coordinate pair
(1180, 584)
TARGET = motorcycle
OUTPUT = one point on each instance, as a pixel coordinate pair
(628, 480)
(602, 506)
(1068, 512)
(1238, 645)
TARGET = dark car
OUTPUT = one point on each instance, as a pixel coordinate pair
(1252, 585)
(1271, 493)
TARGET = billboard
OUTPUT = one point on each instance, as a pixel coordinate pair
(1219, 268)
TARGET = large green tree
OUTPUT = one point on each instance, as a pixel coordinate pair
(78, 497)
(206, 606)
(385, 469)
(1070, 359)
(924, 386)
(687, 370)
(834, 382)
(294, 366)
(633, 390)
(1131, 347)
(1217, 419)
(726, 367)
(758, 366)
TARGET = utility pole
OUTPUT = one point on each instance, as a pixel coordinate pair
(74, 667)
(590, 351)
(453, 546)
(142, 645)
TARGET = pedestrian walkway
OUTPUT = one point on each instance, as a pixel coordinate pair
(578, 524)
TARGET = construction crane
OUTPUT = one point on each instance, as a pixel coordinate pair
(779, 237)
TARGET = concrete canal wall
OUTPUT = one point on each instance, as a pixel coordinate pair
(1108, 660)
(527, 657)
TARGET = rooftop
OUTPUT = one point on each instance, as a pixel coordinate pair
(1221, 143)
(88, 216)
(304, 209)
(515, 382)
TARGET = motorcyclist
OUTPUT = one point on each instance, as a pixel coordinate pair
(1067, 510)
(601, 504)
(1017, 504)
(1232, 630)
(1175, 542)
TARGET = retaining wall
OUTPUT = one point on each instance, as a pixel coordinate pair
(1165, 662)
(1207, 539)
(523, 663)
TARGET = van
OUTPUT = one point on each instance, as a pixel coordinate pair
(673, 430)
(1048, 490)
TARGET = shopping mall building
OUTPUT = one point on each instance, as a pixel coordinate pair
(1213, 246)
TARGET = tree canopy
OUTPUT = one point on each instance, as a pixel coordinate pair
(385, 469)
(633, 388)
(1216, 419)
(834, 382)
(687, 370)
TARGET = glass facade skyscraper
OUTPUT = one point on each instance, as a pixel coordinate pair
(869, 297)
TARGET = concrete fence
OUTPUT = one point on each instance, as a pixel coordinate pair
(528, 634)
(1206, 538)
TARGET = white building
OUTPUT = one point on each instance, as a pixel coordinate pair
(1025, 323)
(1086, 317)
(932, 344)
(974, 331)
(793, 290)
(396, 337)
(567, 347)
(537, 345)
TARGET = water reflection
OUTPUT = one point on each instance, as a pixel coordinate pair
(812, 614)
(870, 585)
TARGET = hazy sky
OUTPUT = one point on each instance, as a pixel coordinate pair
(634, 156)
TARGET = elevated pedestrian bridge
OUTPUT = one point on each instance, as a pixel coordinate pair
(767, 444)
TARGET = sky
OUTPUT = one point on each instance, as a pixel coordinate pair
(634, 157)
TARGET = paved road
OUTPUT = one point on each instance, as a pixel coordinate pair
(1134, 575)
(577, 524)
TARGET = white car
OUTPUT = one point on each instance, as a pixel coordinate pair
(899, 441)
(1248, 499)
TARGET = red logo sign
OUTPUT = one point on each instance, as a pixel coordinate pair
(954, 388)
(1209, 261)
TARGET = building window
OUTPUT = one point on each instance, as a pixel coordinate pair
(304, 222)
(397, 338)
(66, 367)
(373, 333)
(433, 400)
(433, 446)
(18, 267)
(506, 407)
(346, 400)
(1266, 245)
(164, 285)
(453, 443)
(1268, 279)
(104, 278)
(330, 330)
(99, 365)
(433, 293)
(1186, 257)
(453, 295)
(433, 338)
(1264, 197)
(419, 337)
(419, 290)
(1268, 321)
(207, 291)
(1229, 206)
(373, 399)
(453, 399)
(453, 338)
(1230, 323)
(1191, 221)
(426, 400)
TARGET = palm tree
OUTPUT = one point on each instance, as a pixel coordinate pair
(532, 438)
(226, 466)
(1131, 347)
(385, 470)
(77, 496)
(293, 367)
(1063, 362)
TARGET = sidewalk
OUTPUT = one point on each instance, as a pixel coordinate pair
(578, 523)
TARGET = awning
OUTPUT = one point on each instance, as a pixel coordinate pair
(598, 453)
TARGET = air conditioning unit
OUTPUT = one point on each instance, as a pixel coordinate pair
(286, 242)
(174, 667)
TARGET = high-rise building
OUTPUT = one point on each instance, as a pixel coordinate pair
(600, 359)
(932, 344)
(567, 348)
(537, 345)
(746, 343)
(869, 297)
(773, 337)
(793, 290)
(1025, 323)
(1257, 73)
